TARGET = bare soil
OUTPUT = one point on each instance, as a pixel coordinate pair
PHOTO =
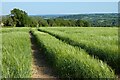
(39, 67)
(119, 77)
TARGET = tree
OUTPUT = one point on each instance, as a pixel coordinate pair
(58, 21)
(51, 22)
(86, 24)
(9, 22)
(71, 23)
(19, 17)
(42, 22)
(32, 22)
(80, 23)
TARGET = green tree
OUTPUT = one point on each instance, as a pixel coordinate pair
(72, 23)
(86, 24)
(9, 22)
(32, 22)
(20, 18)
(51, 22)
(57, 21)
(80, 23)
(42, 22)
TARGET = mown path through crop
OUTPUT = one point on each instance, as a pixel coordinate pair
(39, 67)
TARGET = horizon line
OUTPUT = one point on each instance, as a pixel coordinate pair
(70, 13)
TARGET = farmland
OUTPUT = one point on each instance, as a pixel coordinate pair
(73, 52)
(101, 43)
(16, 52)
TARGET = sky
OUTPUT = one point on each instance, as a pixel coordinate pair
(46, 8)
(60, 0)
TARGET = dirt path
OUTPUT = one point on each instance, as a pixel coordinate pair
(39, 67)
(119, 77)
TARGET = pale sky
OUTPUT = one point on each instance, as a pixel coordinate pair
(60, 0)
(45, 8)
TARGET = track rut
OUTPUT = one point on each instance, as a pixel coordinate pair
(39, 67)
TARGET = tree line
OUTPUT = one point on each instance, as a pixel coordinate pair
(19, 18)
(97, 19)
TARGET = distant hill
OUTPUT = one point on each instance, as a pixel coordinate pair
(91, 16)
(50, 16)
(103, 19)
(99, 19)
